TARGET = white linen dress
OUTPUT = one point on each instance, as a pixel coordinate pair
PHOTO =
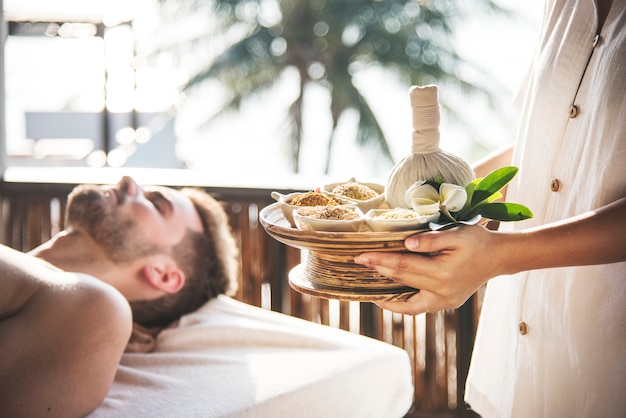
(552, 342)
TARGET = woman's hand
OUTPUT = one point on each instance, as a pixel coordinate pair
(447, 266)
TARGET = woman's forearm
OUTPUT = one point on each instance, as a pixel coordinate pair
(596, 237)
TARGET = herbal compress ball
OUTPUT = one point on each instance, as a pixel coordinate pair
(427, 161)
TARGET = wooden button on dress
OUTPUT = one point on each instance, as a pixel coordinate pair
(573, 111)
(523, 328)
(555, 185)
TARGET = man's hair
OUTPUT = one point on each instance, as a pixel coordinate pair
(210, 261)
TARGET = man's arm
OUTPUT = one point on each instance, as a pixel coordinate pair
(449, 266)
(61, 338)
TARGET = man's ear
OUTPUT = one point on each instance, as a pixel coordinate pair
(165, 276)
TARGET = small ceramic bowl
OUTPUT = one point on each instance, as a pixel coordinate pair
(284, 200)
(326, 218)
(363, 204)
(398, 219)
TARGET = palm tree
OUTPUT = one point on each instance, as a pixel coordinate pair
(327, 42)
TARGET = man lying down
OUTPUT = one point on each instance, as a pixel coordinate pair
(159, 258)
(162, 251)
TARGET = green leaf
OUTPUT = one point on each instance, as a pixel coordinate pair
(495, 196)
(469, 189)
(505, 211)
(492, 183)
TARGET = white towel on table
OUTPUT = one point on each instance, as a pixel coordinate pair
(230, 359)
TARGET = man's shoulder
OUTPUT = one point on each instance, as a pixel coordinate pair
(89, 297)
(65, 343)
(81, 302)
(30, 283)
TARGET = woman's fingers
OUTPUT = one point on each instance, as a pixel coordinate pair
(410, 269)
(446, 266)
(422, 302)
(412, 306)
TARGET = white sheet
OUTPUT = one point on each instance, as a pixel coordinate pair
(230, 359)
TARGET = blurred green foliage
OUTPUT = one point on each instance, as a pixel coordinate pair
(328, 42)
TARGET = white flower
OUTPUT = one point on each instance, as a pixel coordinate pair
(453, 196)
(425, 199)
(422, 198)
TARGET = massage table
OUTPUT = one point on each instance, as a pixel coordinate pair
(231, 359)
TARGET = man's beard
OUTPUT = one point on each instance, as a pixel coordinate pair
(90, 210)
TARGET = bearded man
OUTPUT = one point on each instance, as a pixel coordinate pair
(127, 254)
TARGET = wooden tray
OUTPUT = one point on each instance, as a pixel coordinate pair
(328, 269)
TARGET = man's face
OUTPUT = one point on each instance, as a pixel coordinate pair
(128, 221)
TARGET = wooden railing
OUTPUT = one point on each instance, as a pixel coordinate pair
(439, 344)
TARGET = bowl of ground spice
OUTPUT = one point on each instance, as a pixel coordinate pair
(333, 218)
(293, 201)
(397, 219)
(366, 196)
